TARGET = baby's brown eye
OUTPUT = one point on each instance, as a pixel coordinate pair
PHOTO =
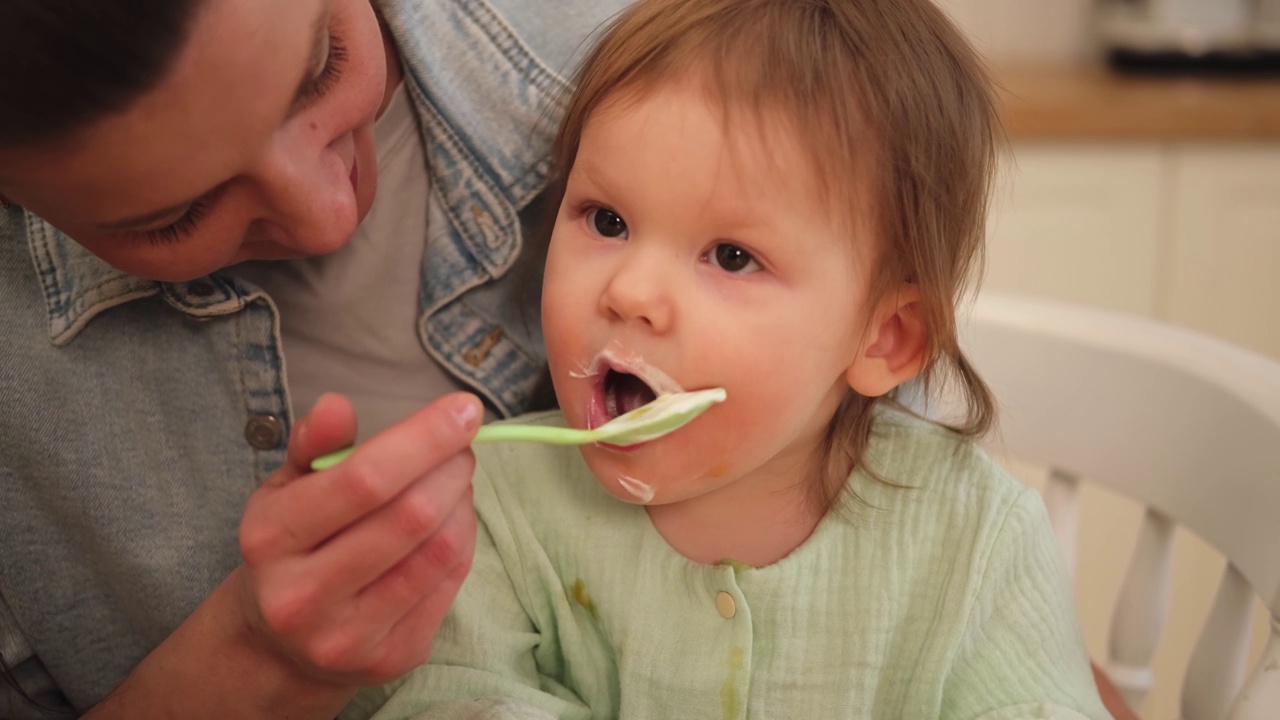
(732, 258)
(608, 223)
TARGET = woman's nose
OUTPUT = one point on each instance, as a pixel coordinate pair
(309, 199)
(640, 292)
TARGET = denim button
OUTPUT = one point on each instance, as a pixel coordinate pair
(488, 229)
(480, 351)
(264, 432)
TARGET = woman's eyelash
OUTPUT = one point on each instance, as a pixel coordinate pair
(332, 70)
(185, 225)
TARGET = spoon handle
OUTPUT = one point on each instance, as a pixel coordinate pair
(535, 433)
(492, 433)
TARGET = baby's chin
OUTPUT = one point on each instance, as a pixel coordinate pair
(634, 486)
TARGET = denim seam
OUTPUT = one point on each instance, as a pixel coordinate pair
(500, 259)
(509, 44)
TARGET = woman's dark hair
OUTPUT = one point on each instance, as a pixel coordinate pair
(67, 63)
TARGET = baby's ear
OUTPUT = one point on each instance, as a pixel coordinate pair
(893, 348)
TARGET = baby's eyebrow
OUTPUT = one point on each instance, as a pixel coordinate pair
(588, 172)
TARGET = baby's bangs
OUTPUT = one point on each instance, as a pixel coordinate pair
(783, 64)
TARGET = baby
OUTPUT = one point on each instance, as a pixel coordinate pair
(784, 199)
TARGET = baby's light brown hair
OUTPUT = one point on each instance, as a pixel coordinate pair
(898, 117)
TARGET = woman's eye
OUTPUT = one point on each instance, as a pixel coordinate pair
(329, 75)
(608, 223)
(183, 226)
(734, 259)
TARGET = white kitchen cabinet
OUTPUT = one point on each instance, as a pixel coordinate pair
(1186, 233)
(1079, 223)
(1224, 237)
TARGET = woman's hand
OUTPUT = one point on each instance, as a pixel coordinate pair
(348, 572)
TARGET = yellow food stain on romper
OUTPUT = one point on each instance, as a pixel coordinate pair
(580, 596)
(730, 702)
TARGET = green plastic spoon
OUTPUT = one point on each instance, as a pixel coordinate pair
(647, 422)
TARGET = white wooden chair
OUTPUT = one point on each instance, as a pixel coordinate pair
(1187, 426)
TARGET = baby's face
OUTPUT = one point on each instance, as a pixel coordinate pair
(687, 258)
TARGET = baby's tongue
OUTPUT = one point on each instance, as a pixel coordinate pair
(630, 393)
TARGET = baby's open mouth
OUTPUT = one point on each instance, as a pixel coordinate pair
(624, 392)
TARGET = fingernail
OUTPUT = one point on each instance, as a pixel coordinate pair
(467, 411)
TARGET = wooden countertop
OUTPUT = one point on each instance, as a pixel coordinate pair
(1052, 104)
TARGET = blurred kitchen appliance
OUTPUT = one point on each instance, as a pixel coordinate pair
(1210, 36)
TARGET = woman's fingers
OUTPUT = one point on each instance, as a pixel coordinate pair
(330, 426)
(345, 628)
(427, 568)
(395, 533)
(336, 560)
(311, 509)
(410, 639)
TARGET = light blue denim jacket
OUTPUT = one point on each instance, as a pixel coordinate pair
(138, 416)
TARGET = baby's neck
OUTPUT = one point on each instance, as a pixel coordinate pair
(737, 523)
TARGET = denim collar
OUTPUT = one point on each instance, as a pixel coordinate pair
(78, 285)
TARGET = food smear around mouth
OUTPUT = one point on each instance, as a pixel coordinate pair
(620, 360)
(638, 489)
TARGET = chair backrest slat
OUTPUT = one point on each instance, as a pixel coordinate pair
(1142, 609)
(1260, 696)
(1217, 666)
(1062, 500)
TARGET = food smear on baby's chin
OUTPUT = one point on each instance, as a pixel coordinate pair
(720, 469)
(637, 488)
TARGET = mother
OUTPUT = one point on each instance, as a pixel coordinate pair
(163, 551)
